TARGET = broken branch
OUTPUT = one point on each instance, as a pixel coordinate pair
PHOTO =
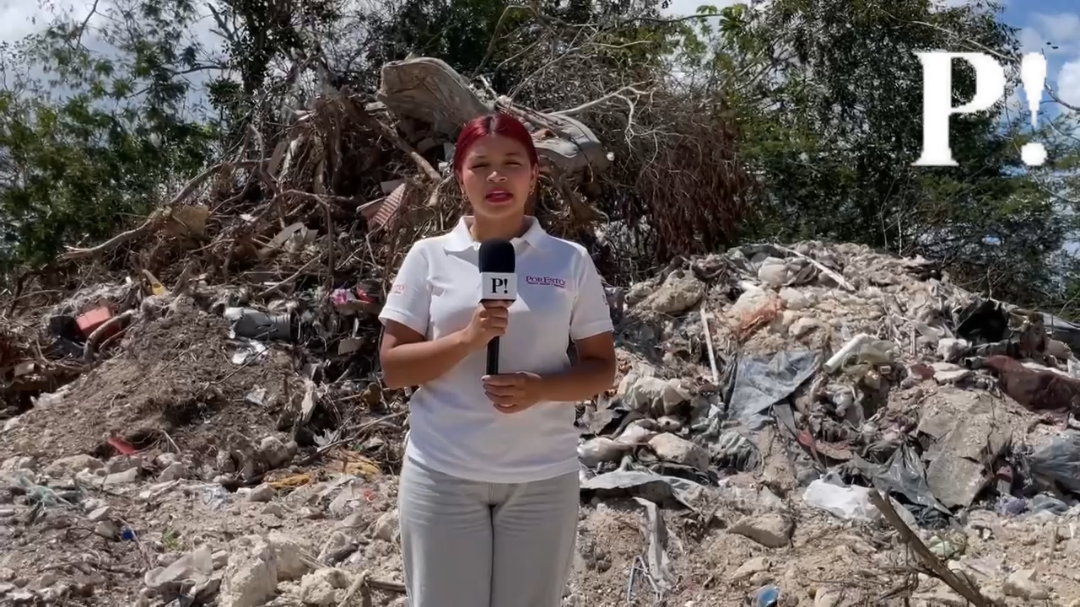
(158, 216)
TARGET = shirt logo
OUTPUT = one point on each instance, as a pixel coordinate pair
(397, 289)
(546, 281)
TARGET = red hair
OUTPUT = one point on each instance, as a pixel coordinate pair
(500, 124)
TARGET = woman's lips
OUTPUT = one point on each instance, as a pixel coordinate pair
(498, 197)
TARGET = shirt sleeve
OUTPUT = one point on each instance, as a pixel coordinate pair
(591, 314)
(409, 299)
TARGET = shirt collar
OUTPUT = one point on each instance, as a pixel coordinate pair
(461, 238)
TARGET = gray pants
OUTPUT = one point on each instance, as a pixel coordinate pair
(473, 544)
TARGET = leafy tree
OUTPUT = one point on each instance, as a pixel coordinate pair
(829, 96)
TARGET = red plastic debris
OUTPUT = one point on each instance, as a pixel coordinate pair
(363, 295)
(121, 445)
(90, 321)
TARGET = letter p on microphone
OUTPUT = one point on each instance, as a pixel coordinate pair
(937, 99)
(498, 285)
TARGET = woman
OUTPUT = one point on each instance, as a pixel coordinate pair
(488, 499)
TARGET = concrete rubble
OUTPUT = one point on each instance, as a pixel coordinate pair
(764, 397)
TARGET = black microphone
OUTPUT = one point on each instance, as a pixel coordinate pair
(497, 281)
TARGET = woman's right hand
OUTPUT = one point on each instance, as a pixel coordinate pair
(489, 320)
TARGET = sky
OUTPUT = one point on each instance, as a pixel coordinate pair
(1041, 21)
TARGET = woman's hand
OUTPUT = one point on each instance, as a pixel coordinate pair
(488, 321)
(513, 392)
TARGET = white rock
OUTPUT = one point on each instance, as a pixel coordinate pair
(274, 452)
(122, 478)
(319, 589)
(262, 493)
(677, 295)
(99, 515)
(1022, 584)
(337, 547)
(751, 567)
(671, 448)
(828, 598)
(750, 301)
(196, 566)
(386, 528)
(794, 299)
(69, 466)
(803, 326)
(771, 530)
(251, 576)
(289, 554)
(14, 464)
(107, 530)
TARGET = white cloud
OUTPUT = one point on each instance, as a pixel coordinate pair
(1068, 82)
(1031, 40)
(1061, 30)
(16, 19)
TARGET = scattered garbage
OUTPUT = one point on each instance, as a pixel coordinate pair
(768, 397)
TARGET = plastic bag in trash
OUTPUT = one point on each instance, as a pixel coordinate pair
(847, 503)
(1058, 463)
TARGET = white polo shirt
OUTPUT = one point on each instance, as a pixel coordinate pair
(454, 427)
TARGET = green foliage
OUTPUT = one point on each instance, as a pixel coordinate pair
(94, 148)
(828, 93)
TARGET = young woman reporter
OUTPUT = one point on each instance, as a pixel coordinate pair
(488, 499)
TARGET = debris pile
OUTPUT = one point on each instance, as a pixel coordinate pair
(792, 425)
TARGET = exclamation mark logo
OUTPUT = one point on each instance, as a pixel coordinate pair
(1033, 75)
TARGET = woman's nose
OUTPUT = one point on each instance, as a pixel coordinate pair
(496, 176)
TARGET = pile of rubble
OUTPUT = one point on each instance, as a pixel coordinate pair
(809, 425)
(814, 425)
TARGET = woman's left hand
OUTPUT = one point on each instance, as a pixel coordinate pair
(513, 392)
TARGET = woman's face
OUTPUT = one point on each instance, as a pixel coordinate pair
(497, 177)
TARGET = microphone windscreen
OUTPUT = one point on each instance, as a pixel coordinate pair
(497, 256)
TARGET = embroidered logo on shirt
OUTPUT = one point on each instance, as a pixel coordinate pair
(397, 289)
(547, 281)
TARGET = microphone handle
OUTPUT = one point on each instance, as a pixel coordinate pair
(493, 356)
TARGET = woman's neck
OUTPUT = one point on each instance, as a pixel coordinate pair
(506, 229)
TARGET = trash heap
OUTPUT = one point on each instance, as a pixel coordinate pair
(807, 425)
(792, 425)
(807, 379)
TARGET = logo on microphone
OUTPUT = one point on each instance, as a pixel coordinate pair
(500, 286)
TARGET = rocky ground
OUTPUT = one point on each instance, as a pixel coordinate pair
(760, 394)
